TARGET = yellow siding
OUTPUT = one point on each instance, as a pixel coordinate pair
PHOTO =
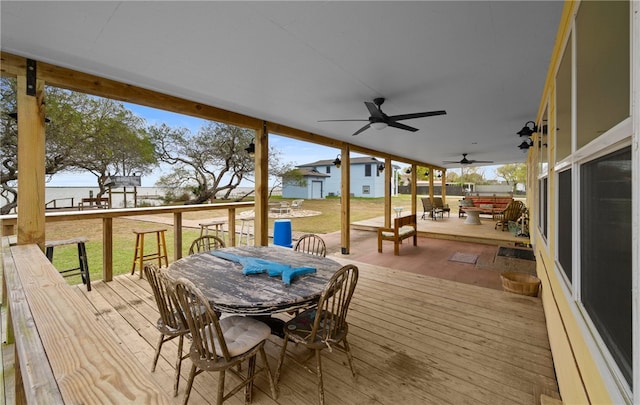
(579, 378)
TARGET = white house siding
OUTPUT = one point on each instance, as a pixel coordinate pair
(331, 181)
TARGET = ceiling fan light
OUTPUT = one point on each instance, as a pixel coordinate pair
(378, 125)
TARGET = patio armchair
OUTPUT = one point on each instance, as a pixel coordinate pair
(440, 205)
(513, 212)
(324, 326)
(429, 208)
(403, 228)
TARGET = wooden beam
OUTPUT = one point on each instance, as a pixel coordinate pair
(304, 136)
(70, 79)
(387, 192)
(414, 189)
(345, 200)
(261, 221)
(31, 162)
(87, 83)
(107, 249)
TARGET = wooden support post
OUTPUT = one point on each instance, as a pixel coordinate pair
(431, 185)
(387, 193)
(232, 226)
(177, 235)
(443, 181)
(107, 249)
(31, 158)
(345, 200)
(262, 187)
(414, 189)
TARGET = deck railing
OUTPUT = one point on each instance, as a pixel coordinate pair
(8, 223)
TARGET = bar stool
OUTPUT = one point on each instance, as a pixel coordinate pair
(248, 222)
(83, 269)
(216, 224)
(161, 249)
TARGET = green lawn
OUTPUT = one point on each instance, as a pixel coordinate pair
(124, 239)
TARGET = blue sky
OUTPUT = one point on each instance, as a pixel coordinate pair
(293, 151)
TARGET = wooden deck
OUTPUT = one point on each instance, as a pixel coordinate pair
(454, 228)
(416, 340)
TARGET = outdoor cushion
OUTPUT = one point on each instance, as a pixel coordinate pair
(486, 206)
(405, 230)
(241, 333)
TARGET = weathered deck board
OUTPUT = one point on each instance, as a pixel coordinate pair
(415, 340)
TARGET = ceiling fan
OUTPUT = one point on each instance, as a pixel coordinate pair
(465, 161)
(380, 120)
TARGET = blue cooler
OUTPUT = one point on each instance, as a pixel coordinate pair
(282, 232)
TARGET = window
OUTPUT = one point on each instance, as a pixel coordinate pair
(367, 170)
(366, 189)
(543, 211)
(602, 58)
(563, 103)
(605, 252)
(328, 171)
(565, 213)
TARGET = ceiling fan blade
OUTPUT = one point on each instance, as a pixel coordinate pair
(373, 110)
(481, 161)
(362, 129)
(341, 120)
(417, 115)
(401, 126)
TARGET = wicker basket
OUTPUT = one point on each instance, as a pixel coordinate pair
(520, 283)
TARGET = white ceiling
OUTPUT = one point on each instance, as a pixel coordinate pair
(295, 63)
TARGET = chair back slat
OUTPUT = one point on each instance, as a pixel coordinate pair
(206, 243)
(202, 320)
(311, 244)
(167, 304)
(330, 321)
(513, 211)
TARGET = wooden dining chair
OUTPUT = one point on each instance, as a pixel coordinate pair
(222, 344)
(206, 243)
(312, 244)
(324, 326)
(171, 323)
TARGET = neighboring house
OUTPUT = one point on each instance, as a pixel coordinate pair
(324, 179)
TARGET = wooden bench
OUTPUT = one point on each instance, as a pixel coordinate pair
(64, 353)
(491, 205)
(102, 202)
(403, 228)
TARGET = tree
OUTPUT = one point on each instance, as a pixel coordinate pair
(513, 174)
(64, 118)
(114, 142)
(82, 133)
(207, 163)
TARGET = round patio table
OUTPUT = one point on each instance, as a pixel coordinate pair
(230, 291)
